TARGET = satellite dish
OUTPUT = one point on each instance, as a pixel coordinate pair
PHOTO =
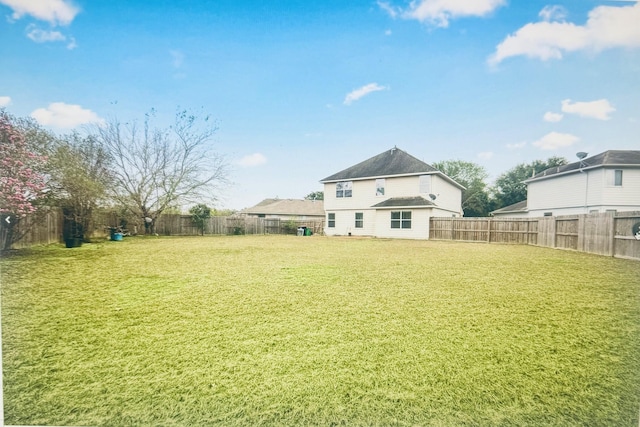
(432, 196)
(581, 155)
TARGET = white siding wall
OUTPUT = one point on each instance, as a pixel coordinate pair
(569, 195)
(419, 224)
(449, 196)
(363, 196)
(626, 195)
(567, 191)
(346, 223)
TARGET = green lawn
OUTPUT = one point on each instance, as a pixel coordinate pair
(285, 330)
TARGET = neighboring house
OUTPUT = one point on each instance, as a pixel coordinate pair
(608, 181)
(390, 195)
(286, 209)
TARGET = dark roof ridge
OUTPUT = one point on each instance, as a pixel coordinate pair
(388, 163)
(609, 157)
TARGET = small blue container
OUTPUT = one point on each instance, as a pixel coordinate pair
(116, 236)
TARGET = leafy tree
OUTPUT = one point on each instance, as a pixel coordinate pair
(509, 188)
(156, 168)
(222, 212)
(80, 179)
(200, 213)
(475, 197)
(22, 181)
(316, 195)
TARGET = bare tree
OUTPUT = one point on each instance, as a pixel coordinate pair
(155, 169)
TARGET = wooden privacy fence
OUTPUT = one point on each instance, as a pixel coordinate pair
(36, 230)
(182, 225)
(48, 228)
(609, 233)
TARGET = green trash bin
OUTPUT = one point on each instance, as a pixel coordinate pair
(307, 231)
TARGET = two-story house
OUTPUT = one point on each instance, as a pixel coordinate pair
(608, 181)
(392, 194)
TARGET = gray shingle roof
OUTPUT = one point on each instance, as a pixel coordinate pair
(389, 163)
(607, 158)
(287, 207)
(396, 202)
(514, 208)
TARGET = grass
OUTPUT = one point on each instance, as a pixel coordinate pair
(279, 330)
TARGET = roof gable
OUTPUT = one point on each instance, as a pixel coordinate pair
(607, 158)
(389, 163)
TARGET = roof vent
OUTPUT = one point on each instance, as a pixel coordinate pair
(581, 155)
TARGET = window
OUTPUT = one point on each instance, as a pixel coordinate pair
(344, 189)
(425, 184)
(331, 220)
(617, 177)
(548, 214)
(401, 219)
(380, 187)
(359, 219)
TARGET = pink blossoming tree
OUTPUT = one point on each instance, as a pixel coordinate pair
(21, 180)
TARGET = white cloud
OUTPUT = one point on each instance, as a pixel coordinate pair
(65, 116)
(56, 12)
(356, 94)
(607, 27)
(485, 155)
(552, 117)
(4, 101)
(555, 140)
(440, 12)
(599, 109)
(553, 13)
(43, 36)
(392, 11)
(255, 159)
(517, 145)
(387, 32)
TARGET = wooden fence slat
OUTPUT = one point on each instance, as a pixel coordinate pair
(49, 228)
(599, 233)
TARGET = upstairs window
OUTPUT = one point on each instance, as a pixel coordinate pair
(344, 189)
(617, 177)
(425, 184)
(380, 187)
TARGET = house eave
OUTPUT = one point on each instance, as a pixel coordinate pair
(366, 178)
(553, 175)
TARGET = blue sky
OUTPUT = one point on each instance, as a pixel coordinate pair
(301, 90)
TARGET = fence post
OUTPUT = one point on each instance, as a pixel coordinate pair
(581, 237)
(488, 230)
(612, 235)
